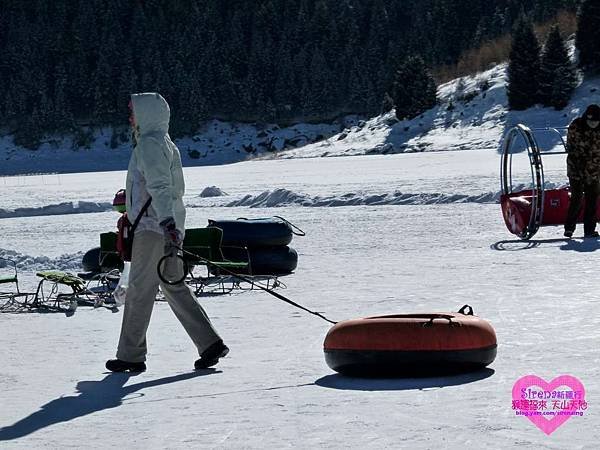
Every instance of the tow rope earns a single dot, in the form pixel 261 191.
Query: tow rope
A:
pixel 228 272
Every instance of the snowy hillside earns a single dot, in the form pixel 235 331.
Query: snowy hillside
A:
pixel 216 143
pixel 472 114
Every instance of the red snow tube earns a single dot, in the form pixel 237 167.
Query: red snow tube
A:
pixel 411 344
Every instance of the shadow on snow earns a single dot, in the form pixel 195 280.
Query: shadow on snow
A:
pixel 577 245
pixel 93 396
pixel 400 384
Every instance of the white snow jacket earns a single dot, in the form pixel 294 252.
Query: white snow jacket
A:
pixel 155 166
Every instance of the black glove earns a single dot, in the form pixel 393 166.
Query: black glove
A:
pixel 172 234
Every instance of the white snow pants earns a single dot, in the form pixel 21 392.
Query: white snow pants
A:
pixel 148 248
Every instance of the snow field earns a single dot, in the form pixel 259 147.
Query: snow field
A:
pixel 274 390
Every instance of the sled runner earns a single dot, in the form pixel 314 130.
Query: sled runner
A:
pixel 526 210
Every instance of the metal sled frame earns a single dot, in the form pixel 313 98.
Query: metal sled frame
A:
pixel 203 247
pixel 56 299
pixel 225 284
pixel 13 300
pixel 102 286
pixel 49 297
pixel 537 170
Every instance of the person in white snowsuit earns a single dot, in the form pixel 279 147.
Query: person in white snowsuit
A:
pixel 155 172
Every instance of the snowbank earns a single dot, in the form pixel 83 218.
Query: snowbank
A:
pixel 78 207
pixel 284 197
pixel 67 262
pixel 212 191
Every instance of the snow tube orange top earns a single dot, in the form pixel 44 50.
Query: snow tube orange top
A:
pixel 411 344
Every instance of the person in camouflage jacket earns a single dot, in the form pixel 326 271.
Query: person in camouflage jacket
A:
pixel 583 170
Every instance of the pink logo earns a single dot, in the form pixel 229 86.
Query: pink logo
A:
pixel 548 405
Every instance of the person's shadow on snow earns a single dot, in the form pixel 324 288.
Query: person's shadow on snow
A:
pixel 584 246
pixel 93 396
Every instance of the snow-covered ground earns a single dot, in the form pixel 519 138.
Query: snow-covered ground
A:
pixel 274 390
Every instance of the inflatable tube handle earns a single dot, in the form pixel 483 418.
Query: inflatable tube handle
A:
pixel 463 310
pixel 294 227
pixel 448 318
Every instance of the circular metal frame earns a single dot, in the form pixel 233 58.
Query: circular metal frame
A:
pixel 537 171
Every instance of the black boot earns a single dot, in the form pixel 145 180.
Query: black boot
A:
pixel 116 365
pixel 211 355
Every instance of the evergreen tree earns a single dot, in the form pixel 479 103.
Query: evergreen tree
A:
pixel 138 35
pixel 29 133
pixel 557 72
pixel 63 118
pixel 236 53
pixel 376 53
pixel 588 35
pixel 318 30
pixel 75 61
pixel 498 22
pixel 448 36
pixel 523 66
pixel 126 84
pixel 284 92
pixel 387 104
pixel 106 73
pixel 414 89
pixel 321 85
pixel 103 88
pixel 81 60
pixel 359 87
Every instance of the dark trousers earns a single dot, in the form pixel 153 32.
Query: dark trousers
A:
pixel 579 191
